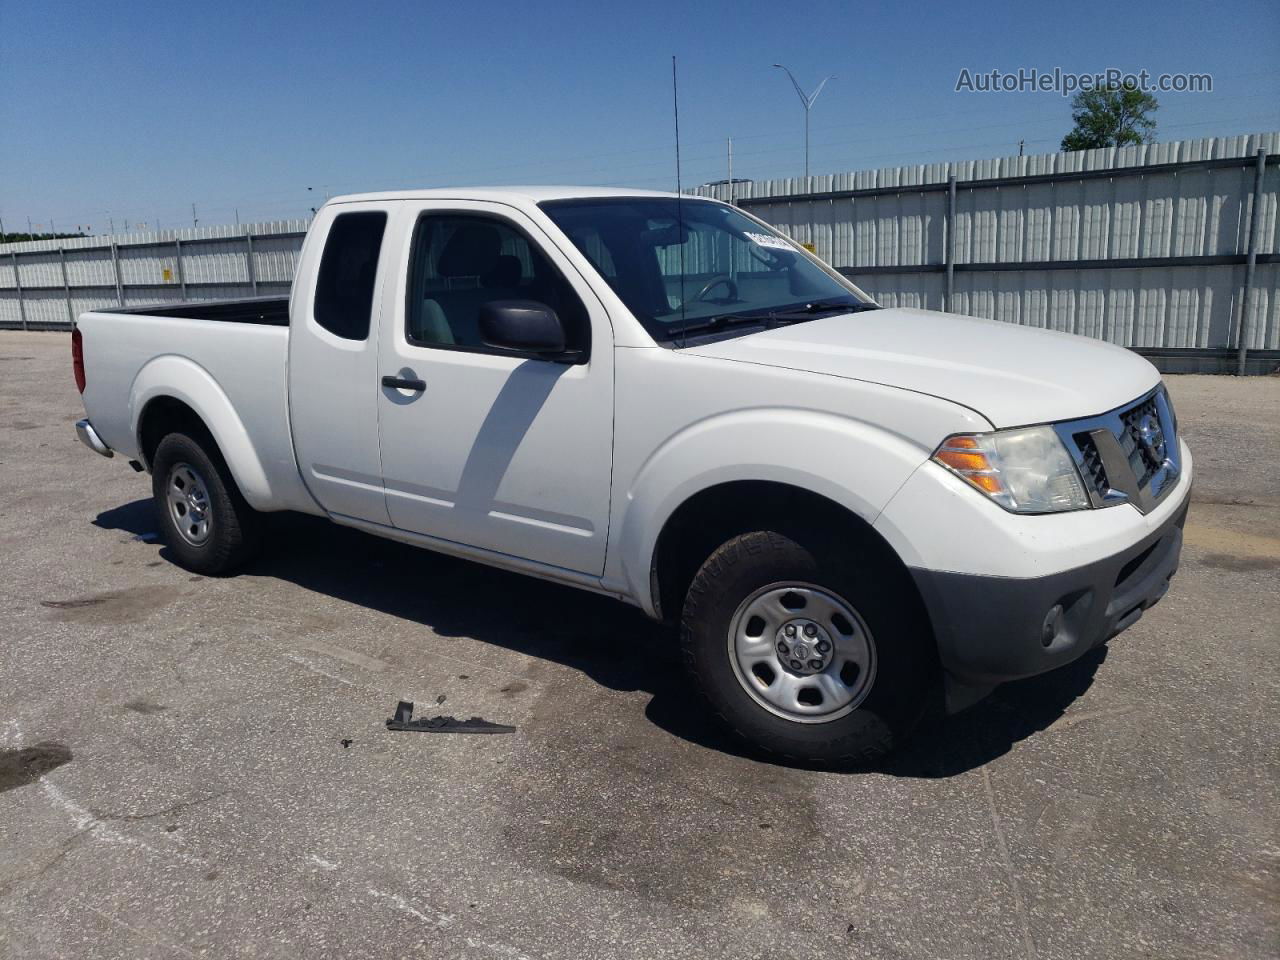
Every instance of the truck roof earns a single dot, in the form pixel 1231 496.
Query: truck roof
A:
pixel 529 194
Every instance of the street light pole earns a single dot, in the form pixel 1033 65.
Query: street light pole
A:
pixel 808 100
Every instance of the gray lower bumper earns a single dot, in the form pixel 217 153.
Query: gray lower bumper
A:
pixel 89 437
pixel 994 629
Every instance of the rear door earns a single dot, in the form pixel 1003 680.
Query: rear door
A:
pixel 333 360
pixel 508 453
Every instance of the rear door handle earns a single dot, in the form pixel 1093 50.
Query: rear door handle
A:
pixel 399 383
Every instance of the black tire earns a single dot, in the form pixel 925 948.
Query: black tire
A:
pixel 234 528
pixel 905 679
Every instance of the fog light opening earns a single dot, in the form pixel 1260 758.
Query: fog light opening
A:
pixel 1052 627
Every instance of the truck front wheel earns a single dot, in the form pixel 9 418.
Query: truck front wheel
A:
pixel 813 653
pixel 203 517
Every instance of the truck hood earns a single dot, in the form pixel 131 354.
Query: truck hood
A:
pixel 1010 374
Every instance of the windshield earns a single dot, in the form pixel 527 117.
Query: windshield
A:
pixel 699 269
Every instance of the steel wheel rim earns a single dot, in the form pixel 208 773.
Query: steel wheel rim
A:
pixel 828 684
pixel 187 497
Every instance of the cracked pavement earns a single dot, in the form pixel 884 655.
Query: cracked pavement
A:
pixel 190 794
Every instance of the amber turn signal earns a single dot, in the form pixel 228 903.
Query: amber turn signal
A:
pixel 965 457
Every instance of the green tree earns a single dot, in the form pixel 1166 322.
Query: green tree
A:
pixel 1111 116
pixel 21 237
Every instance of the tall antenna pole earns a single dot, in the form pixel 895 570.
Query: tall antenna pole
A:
pixel 730 169
pixel 675 105
pixel 808 100
pixel 675 108
pixel 195 222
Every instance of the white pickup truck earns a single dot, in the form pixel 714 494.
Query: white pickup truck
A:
pixel 850 511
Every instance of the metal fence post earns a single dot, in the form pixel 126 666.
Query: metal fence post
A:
pixel 182 277
pixel 948 300
pixel 1246 302
pixel 115 263
pixel 66 285
pixel 17 283
pixel 248 262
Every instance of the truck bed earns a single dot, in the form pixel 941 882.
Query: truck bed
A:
pixel 231 370
pixel 270 311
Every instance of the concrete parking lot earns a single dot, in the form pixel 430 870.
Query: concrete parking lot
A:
pixel 206 771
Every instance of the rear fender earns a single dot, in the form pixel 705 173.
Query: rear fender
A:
pixel 184 380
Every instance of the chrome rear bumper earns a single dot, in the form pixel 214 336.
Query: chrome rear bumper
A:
pixel 89 437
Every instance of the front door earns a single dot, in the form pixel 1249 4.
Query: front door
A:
pixel 480 447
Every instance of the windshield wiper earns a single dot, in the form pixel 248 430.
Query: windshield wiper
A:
pixel 719 322
pixel 769 318
pixel 822 306
pixel 809 311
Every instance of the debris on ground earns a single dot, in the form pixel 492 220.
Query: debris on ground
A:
pixel 403 720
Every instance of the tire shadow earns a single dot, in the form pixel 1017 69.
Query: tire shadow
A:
pixel 945 746
pixel 137 517
pixel 612 643
pixel 942 746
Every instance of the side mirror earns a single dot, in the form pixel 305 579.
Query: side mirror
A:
pixel 523 325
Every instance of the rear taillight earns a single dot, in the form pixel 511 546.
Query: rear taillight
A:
pixel 77 358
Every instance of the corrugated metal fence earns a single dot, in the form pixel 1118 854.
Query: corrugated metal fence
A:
pixel 47 283
pixel 1145 246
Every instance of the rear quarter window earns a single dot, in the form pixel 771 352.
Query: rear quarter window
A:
pixel 344 287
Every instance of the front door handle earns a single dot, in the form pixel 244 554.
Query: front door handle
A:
pixel 400 383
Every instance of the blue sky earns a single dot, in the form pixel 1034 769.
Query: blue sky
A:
pixel 135 110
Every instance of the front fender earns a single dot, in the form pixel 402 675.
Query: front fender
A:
pixel 187 381
pixel 853 463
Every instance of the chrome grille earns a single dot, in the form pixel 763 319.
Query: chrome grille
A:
pixel 1092 471
pixel 1129 455
pixel 1143 463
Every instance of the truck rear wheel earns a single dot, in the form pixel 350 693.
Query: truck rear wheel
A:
pixel 812 653
pixel 203 517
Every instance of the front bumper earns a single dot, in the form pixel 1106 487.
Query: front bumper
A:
pixel 89 437
pixel 993 629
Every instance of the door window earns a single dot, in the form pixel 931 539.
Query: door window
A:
pixel 460 262
pixel 344 288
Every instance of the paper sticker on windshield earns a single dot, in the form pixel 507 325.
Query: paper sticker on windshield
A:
pixel 768 240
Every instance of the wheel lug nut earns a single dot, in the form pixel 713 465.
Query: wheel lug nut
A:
pixel 783 648
pixel 791 630
pixel 796 665
pixel 823 646
pixel 816 664
pixel 810 630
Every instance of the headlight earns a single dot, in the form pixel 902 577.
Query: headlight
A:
pixel 1026 470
